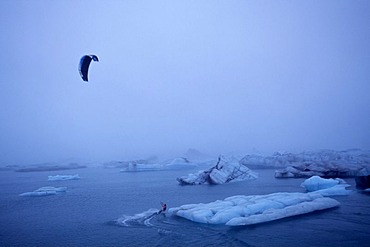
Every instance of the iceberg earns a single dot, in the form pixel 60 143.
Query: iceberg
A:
pixel 326 187
pixel 49 167
pixel 323 163
pixel 45 191
pixel 174 164
pixel 63 177
pixel 132 167
pixel 125 164
pixel 224 171
pixel 315 183
pixel 317 169
pixel 249 210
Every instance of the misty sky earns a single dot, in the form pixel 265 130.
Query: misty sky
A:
pixel 218 76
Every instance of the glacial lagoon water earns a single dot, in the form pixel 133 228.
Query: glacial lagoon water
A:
pixel 85 214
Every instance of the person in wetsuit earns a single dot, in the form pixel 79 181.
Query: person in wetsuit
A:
pixel 163 209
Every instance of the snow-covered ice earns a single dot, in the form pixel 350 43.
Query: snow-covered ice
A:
pixel 254 209
pixel 248 210
pixel 226 170
pixel 63 177
pixel 45 191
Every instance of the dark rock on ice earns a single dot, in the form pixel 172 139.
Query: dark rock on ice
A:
pixel 363 179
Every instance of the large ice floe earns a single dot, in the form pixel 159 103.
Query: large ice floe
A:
pixel 45 191
pixel 226 170
pixel 63 177
pixel 254 209
pixel 247 210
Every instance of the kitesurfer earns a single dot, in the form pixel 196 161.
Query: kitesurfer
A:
pixel 163 209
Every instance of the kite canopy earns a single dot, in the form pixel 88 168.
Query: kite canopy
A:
pixel 85 64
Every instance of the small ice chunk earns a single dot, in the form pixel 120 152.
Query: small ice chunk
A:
pixel 317 183
pixel 326 187
pixel 63 177
pixel 45 191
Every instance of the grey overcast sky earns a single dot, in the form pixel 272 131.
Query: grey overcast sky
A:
pixel 218 76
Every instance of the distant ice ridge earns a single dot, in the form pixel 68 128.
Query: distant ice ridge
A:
pixel 144 165
pixel 48 167
pixel 63 177
pixel 142 168
pixel 175 164
pixel 45 191
pixel 324 163
pixel 226 170
pixel 248 210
